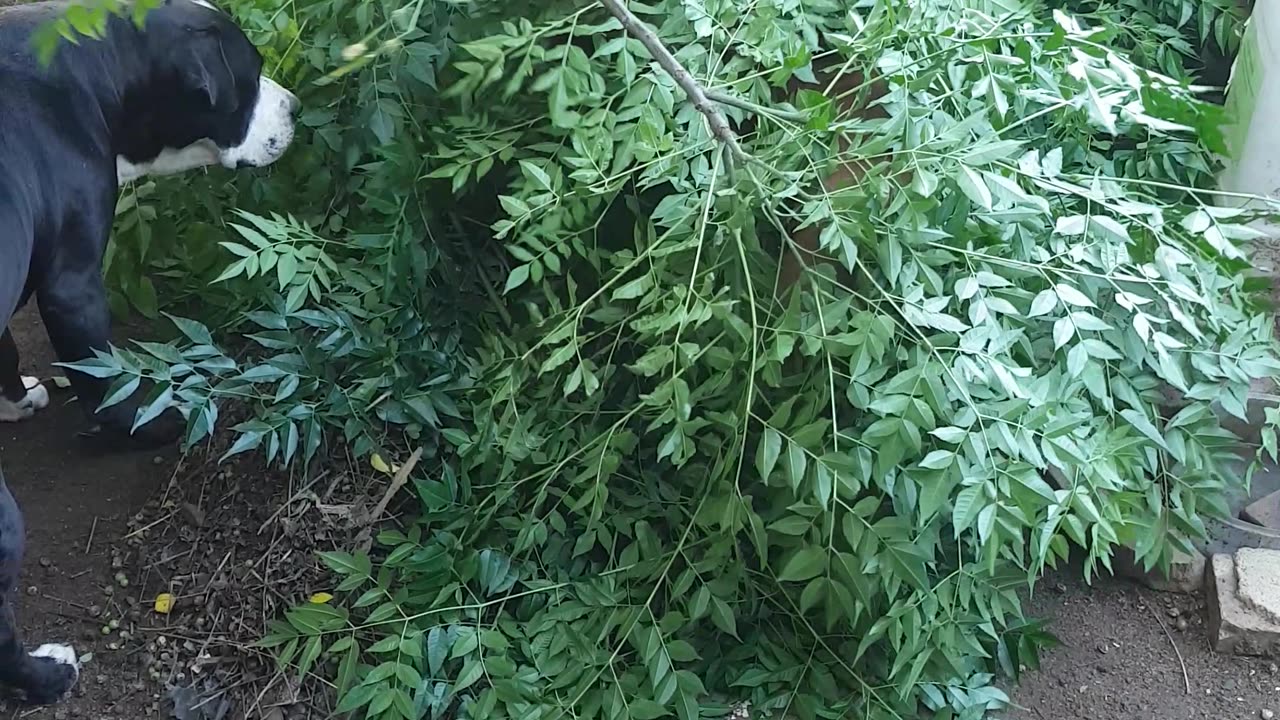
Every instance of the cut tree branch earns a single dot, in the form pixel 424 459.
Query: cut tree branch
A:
pixel 743 104
pixel 668 62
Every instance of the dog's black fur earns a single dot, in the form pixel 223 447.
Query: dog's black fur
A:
pixel 189 75
pixel 12 388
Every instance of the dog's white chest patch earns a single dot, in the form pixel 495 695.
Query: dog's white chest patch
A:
pixel 200 153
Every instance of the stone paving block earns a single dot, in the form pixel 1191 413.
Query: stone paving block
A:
pixel 1235 627
pixel 1258 582
pixel 1186 573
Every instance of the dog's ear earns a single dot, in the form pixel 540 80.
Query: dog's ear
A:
pixel 210 73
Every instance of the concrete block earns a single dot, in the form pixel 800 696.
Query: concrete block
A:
pixel 1186 573
pixel 1258 581
pixel 1235 627
pixel 1264 511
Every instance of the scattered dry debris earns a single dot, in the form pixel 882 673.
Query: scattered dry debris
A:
pixel 204 567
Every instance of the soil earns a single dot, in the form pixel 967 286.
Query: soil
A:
pixel 75 505
pixel 106 533
pixel 1118 659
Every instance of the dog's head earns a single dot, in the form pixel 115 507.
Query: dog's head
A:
pixel 206 100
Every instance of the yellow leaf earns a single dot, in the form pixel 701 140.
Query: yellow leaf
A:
pixel 164 603
pixel 321 598
pixel 378 463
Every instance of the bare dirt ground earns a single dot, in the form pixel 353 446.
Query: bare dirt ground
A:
pixel 107 532
pixel 1118 660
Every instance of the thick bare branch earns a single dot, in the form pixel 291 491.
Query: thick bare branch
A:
pixel 668 62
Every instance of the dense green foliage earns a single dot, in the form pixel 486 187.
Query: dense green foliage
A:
pixel 651 487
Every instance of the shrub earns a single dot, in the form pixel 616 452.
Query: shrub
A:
pixel 656 482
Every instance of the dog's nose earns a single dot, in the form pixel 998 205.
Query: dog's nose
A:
pixel 294 103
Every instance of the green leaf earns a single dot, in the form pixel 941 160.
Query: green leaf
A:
pixel 1072 296
pixel 1063 331
pixel 938 460
pixel 158 404
pixel 194 331
pixel 517 278
pixel 120 391
pixel 438 646
pixel 347 564
pixel 645 709
pixel 805 563
pixel 796 464
pixel 949 434
pixel 767 452
pixel 634 289
pixel 965 510
pixel 722 616
pixel 987 153
pixel 1144 426
pixel 972 185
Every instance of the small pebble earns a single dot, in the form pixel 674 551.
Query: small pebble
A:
pixel 45 562
pixel 1266 714
pixel 33 590
pixel 94 611
pixel 1173 612
pixel 1181 624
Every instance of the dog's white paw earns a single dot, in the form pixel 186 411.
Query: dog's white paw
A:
pixel 61 654
pixel 37 398
pixel 37 395
pixel 53 688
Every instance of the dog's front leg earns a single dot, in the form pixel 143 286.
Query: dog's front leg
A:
pixel 47 674
pixel 20 396
pixel 73 305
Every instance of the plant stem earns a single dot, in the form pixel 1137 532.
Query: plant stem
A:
pixel 668 62
pixel 741 104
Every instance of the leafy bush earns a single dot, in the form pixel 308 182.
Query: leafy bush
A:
pixel 657 481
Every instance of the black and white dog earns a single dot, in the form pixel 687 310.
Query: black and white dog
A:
pixel 184 91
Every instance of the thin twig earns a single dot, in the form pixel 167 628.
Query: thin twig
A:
pixel 397 482
pixel 148 526
pixel 401 477
pixel 742 104
pixel 668 62
pixel 288 503
pixel 92 531
pixel 1186 680
pixel 56 599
